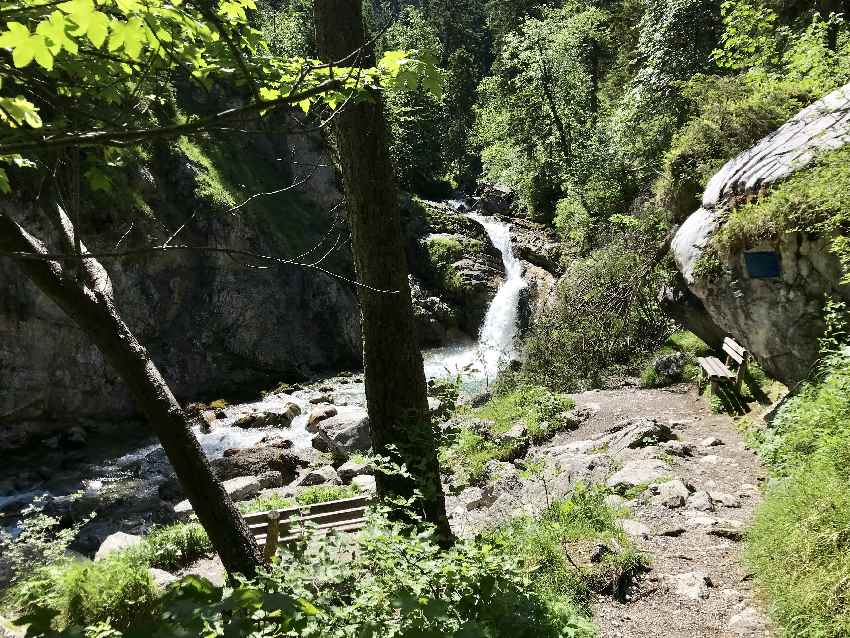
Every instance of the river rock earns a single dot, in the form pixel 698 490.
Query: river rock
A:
pixel 351 469
pixel 119 541
pixel 318 415
pixel 726 500
pixel 325 475
pixel 282 419
pixel 345 433
pixel 637 473
pixel 255 461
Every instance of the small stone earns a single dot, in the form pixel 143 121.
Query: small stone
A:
pixel 673 494
pixel 116 542
pixel 637 473
pixel 711 441
pixel 701 502
pixel 677 448
pixel 365 483
pixel 599 552
pixel 434 406
pixel 726 500
pixel 691 585
pixel 634 528
pixel 322 398
pixel 747 622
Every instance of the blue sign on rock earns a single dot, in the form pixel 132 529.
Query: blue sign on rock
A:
pixel 763 264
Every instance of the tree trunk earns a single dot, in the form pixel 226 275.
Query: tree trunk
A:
pixel 396 391
pixel 87 299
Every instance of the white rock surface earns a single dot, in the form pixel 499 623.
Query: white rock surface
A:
pixel 116 542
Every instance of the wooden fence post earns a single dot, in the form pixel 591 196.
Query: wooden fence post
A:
pixel 272 535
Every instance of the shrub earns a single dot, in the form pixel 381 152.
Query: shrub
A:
pixel 266 503
pixel 117 589
pixel 175 546
pixel 605 317
pixel 684 342
pixel 468 451
pixel 574 525
pixel 393 580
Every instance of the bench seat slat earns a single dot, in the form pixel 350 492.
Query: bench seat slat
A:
pixel 292 535
pixel 306 510
pixel 715 368
pixel 325 517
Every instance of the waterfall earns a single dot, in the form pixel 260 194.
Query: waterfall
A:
pixel 498 332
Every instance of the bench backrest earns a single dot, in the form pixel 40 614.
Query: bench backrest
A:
pixel 735 351
pixel 287 525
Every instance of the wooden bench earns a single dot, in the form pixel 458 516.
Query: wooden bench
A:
pixel 716 371
pixel 281 527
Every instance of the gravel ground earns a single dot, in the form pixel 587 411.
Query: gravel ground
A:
pixel 697 585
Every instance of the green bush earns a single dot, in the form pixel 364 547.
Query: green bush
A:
pixel 175 546
pixel 605 317
pixel 799 547
pixel 266 503
pixel 688 344
pixel 467 451
pixel 394 580
pixel 544 546
pixel 117 589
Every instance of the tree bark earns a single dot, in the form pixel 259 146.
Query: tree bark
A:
pixel 86 297
pixel 396 390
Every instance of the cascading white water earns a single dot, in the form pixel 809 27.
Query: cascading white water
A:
pixel 496 338
pixel 479 363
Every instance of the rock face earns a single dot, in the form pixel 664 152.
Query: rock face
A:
pixel 211 324
pixel 119 541
pixel 778 319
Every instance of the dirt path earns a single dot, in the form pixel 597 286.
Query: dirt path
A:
pixel 697 586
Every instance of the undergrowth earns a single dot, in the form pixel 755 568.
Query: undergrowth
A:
pixel 482 438
pixel 690 346
pixel 799 546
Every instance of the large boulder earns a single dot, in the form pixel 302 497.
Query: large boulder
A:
pixel 346 433
pixel 256 461
pixel 638 433
pixel 778 319
pixel 278 419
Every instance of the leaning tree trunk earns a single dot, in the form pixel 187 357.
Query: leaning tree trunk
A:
pixel 396 391
pixel 86 297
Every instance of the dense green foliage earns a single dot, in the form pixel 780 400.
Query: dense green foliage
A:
pixel 394 581
pixel 799 548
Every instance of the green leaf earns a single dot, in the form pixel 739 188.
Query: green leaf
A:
pixel 54 28
pixel 98 29
pixel 98 180
pixel 19 110
pixel 5 187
